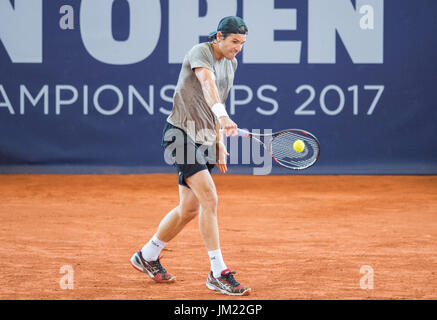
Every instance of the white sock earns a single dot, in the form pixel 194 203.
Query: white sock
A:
pixel 217 263
pixel 152 249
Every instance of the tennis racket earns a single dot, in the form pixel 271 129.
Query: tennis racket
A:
pixel 281 147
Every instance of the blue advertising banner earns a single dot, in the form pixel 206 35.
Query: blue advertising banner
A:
pixel 86 86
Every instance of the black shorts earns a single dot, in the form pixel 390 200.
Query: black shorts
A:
pixel 187 156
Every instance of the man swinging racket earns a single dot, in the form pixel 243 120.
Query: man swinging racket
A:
pixel 197 117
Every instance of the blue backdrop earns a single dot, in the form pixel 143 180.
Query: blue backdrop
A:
pixel 86 86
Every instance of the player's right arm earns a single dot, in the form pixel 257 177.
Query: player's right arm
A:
pixel 207 81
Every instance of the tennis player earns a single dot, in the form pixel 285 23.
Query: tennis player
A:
pixel 196 125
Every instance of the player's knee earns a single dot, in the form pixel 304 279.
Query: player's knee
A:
pixel 188 213
pixel 210 202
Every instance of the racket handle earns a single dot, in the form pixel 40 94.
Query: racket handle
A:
pixel 243 133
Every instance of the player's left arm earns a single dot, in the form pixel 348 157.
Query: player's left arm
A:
pixel 212 98
pixel 210 92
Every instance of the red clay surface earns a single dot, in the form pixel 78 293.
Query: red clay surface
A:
pixel 287 237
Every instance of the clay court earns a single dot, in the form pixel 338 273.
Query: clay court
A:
pixel 287 237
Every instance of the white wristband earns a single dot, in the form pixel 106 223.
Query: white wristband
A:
pixel 219 110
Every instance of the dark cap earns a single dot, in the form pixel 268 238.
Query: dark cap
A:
pixel 231 24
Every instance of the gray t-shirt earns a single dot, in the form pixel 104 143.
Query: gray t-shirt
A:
pixel 190 111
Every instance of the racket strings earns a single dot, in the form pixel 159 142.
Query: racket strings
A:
pixel 283 150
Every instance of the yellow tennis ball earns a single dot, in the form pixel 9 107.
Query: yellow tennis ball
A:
pixel 299 146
